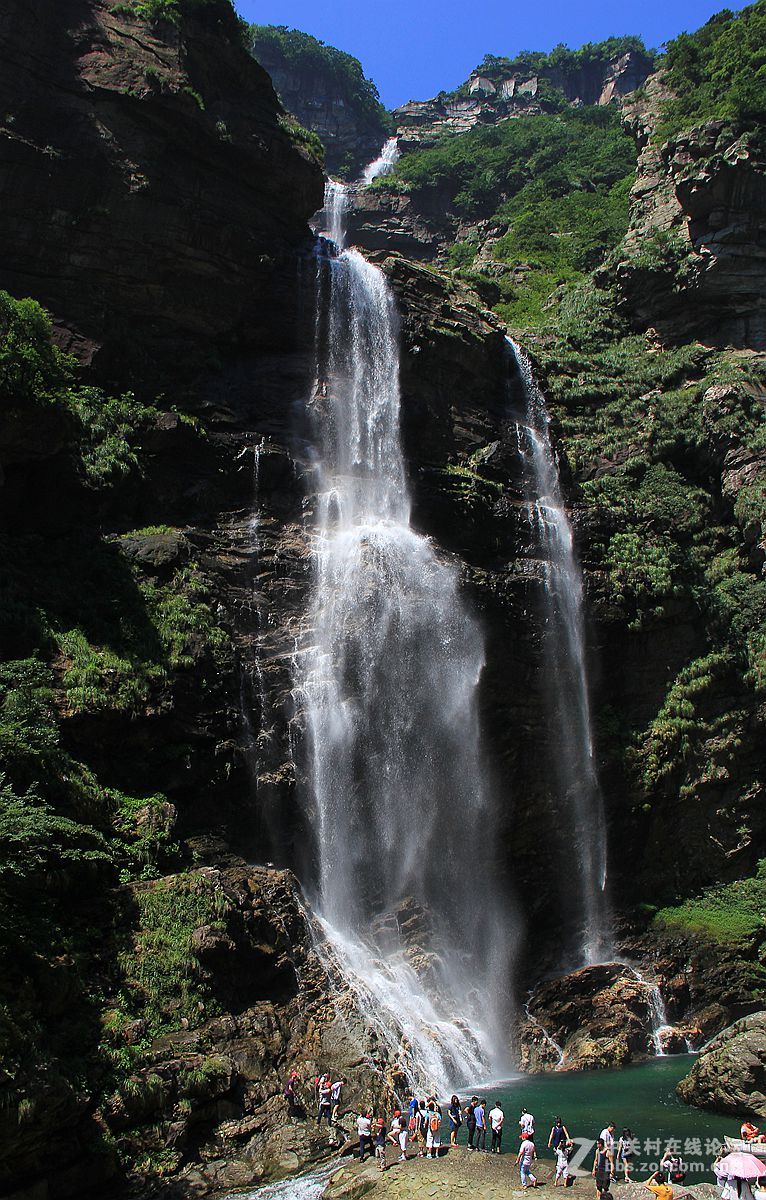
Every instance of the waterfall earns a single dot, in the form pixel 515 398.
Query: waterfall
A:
pixel 658 1017
pixel 384 163
pixel 575 768
pixel 407 882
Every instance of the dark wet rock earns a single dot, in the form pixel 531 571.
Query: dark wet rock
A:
pixel 592 1018
pixel 155 552
pixel 730 1074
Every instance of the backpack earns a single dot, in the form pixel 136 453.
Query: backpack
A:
pixel 434 1122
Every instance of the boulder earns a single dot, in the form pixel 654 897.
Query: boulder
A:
pixel 730 1074
pixel 592 1018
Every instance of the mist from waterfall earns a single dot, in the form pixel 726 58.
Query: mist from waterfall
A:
pixel 568 704
pixel 408 884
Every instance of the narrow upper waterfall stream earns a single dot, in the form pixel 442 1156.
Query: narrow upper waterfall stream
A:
pixel 566 680
pixel 384 163
pixel 407 884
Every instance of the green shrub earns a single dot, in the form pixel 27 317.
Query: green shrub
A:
pixel 32 369
pixel 718 71
pixel 729 912
pixel 163 978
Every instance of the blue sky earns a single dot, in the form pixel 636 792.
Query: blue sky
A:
pixel 414 48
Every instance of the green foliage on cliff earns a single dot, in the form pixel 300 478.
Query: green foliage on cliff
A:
pixel 561 59
pixel 672 555
pixel 163 979
pixel 730 912
pixel 718 71
pixel 554 187
pixel 301 53
pixel 172 11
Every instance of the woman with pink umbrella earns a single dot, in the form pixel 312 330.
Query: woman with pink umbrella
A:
pixel 739 1170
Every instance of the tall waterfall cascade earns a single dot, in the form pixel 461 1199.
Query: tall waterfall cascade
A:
pixel 568 704
pixel 407 886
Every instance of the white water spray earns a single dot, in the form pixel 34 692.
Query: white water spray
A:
pixel 564 644
pixel 658 1017
pixel 408 888
pixel 384 163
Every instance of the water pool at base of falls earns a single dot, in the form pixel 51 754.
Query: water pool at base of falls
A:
pixel 640 1096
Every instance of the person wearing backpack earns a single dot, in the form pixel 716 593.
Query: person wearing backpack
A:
pixel 433 1137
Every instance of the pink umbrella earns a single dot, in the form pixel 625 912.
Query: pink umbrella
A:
pixel 742 1166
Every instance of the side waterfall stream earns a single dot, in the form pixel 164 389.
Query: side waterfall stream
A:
pixel 566 679
pixel 407 888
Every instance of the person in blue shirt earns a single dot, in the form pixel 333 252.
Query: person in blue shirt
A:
pixel 481 1125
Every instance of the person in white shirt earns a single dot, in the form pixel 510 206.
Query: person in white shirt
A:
pixel 364 1129
pixel 524 1160
pixel 496 1118
pixel 562 1164
pixel 607 1136
pixel 527 1123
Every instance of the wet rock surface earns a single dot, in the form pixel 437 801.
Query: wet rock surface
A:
pixel 730 1074
pixel 595 1017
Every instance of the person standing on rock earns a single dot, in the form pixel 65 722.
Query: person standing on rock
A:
pixel 433 1136
pixel 558 1136
pixel 398 1134
pixel 289 1094
pixel 602 1168
pixel 524 1160
pixel 481 1125
pixel 470 1119
pixel 562 1164
pixel 364 1129
pixel 455 1120
pixel 527 1123
pixel 379 1138
pixel 325 1104
pixel 496 1120
pixel 607 1137
pixel 336 1093
pixel 626 1149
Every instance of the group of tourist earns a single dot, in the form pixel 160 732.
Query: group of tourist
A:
pixel 420 1126
pixel 328 1093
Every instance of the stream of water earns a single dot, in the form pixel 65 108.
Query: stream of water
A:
pixel 389 688
pixel 566 681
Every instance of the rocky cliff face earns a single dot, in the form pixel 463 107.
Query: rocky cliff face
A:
pixel 352 127
pixel 159 566
pixel 511 93
pixel 693 261
pixel 147 153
